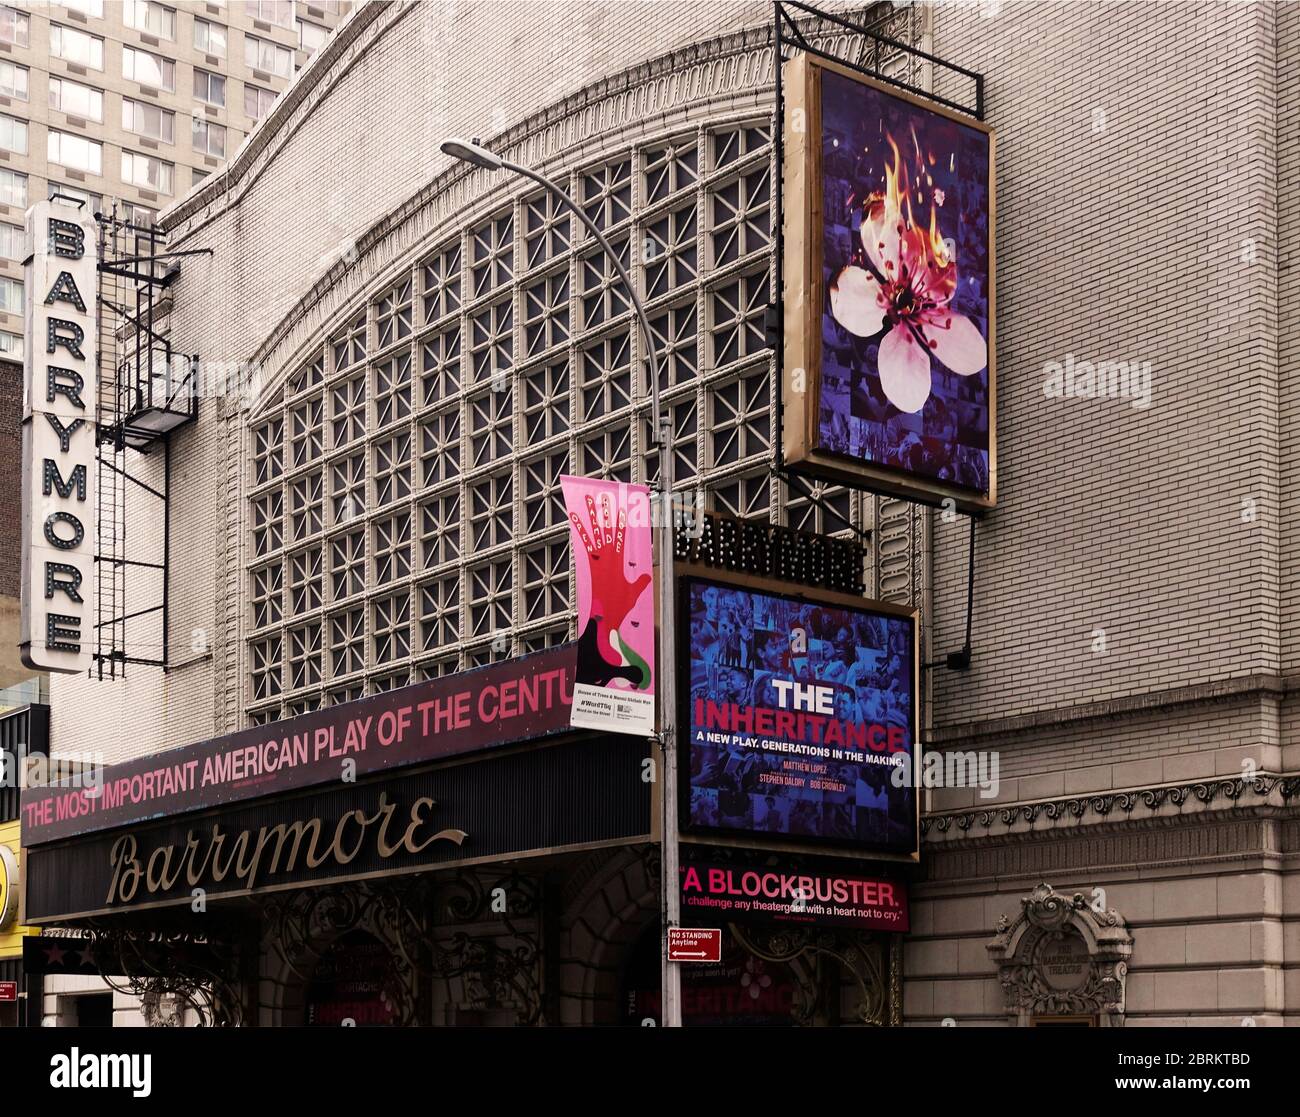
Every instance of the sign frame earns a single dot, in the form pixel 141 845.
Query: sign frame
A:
pixel 750 840
pixel 60 439
pixel 804 295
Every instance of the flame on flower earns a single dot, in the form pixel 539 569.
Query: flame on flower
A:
pixel 905 289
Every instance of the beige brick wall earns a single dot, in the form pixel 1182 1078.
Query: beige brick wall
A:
pixel 1136 160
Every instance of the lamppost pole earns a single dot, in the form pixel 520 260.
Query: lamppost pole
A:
pixel 666 683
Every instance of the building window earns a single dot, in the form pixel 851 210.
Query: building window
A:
pixel 546 580
pixel 491 589
pixel 492 247
pixel 606 194
pixel 76 46
pixel 268 455
pixel 11 295
pixel 545 402
pixel 92 8
pixel 310 375
pixel 148 120
pixel 75 152
pixel 441 283
pixel 392 627
pixel 92 203
pixel 261 54
pixel 149 69
pixel 311 36
pixel 392 548
pixel 267 595
pixel 440 447
pixel 491 426
pixel 546 313
pixel 210 38
pixel 11 345
pixel 135 214
pixel 279 12
pixel 209 138
pixel 305 583
pixel 15 27
pixel 439 614
pixel 266 668
pixel 492 334
pixel 13 241
pixel 13 134
pixel 491 511
pixel 147 172
pixel 392 469
pixel 440 371
pixel 542 498
pixel 348 410
pixel 440 530
pixel 393 390
pixel 268 523
pixel 154 19
pixel 350 345
pixel 306 505
pixel 210 88
pixel 304 656
pixel 547 229
pixel 348 488
pixel 394 314
pixel 347 642
pixel 75 99
pixel 347 565
pixel 257 102
pixel 305 433
pixel 13 80
pixel 13 187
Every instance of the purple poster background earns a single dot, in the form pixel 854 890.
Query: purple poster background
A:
pixel 906 255
pixel 799 715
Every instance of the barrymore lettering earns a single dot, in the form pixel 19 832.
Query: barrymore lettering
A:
pixel 243 858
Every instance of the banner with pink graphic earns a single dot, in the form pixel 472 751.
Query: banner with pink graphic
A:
pixel 609 527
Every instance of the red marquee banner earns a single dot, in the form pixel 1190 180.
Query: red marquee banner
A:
pixel 500 704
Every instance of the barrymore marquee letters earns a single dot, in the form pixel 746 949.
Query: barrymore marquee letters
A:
pixel 245 858
pixel 59 437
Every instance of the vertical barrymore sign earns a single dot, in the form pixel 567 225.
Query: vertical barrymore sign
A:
pixel 59 440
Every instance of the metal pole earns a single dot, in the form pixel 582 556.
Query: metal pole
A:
pixel 670 1014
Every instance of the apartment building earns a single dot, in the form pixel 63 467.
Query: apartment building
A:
pixel 126 103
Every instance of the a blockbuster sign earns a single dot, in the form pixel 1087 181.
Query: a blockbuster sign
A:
pixel 799 716
pixel 59 478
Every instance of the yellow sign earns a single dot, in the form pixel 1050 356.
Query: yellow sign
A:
pixel 11 933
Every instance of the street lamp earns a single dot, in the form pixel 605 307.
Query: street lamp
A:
pixel 470 151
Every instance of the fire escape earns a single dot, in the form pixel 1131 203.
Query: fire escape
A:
pixel 146 391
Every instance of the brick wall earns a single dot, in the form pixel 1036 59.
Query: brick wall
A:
pixel 1136 184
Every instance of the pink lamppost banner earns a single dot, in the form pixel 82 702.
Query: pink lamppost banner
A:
pixel 609 527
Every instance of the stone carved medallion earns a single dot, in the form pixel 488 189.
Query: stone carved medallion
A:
pixel 1062 957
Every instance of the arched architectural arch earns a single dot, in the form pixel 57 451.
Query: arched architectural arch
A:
pixel 413 412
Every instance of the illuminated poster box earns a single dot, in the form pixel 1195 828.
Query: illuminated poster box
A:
pixel 798 717
pixel 888 379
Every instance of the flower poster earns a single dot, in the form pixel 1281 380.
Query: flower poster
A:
pixel 609 534
pixel 889 302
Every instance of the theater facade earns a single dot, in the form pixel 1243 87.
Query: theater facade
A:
pixel 337 781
